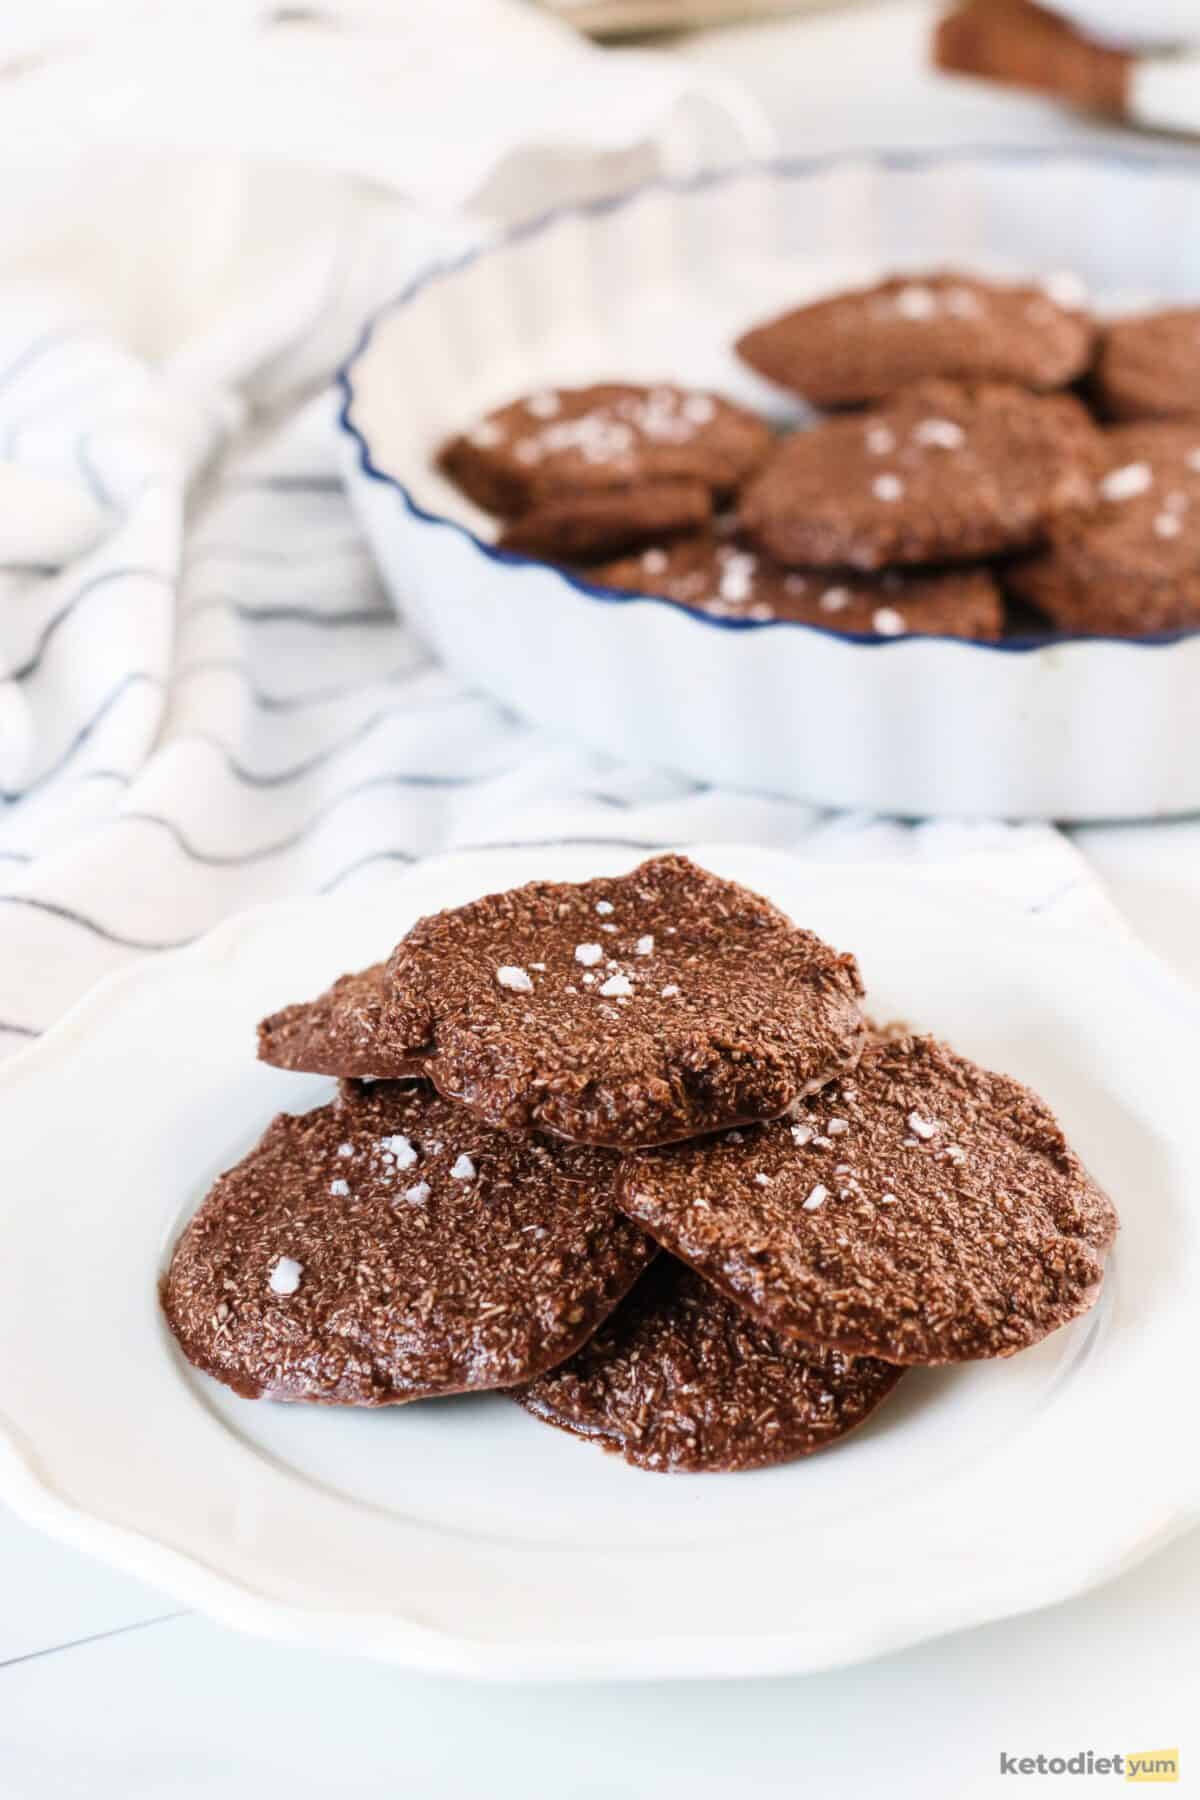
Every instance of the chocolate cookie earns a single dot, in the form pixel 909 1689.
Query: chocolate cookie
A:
pixel 626 1011
pixel 335 1034
pixel 921 1210
pixel 943 473
pixel 1028 46
pixel 389 1247
pixel 1133 565
pixel 580 527
pixel 719 576
pixel 574 441
pixel 863 346
pixel 681 1379
pixel 1149 366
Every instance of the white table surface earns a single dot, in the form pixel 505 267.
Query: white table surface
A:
pixel 108 1691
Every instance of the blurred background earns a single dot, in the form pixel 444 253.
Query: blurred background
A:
pixel 171 158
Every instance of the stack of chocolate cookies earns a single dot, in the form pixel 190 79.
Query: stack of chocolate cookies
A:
pixel 964 479
pixel 629 1151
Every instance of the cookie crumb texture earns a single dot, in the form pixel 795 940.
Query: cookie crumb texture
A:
pixel 580 527
pixel 348 1260
pixel 861 346
pixel 946 472
pixel 706 1007
pixel 681 1379
pixel 335 1034
pixel 1149 366
pixel 955 1221
pixel 1132 566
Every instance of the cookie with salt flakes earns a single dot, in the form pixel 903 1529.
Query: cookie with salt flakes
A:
pixel 629 1010
pixel 568 442
pixel 717 575
pixel 922 1210
pixel 945 472
pixel 390 1247
pixel 679 1378
pixel 858 347
pixel 1132 566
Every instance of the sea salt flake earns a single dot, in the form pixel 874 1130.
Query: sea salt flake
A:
pixel 670 991
pixel 887 622
pixel 645 945
pixel 418 1194
pixel 464 1169
pixel 921 1127
pixel 817 1197
pixel 339 1188
pixel 1127 482
pixel 285 1275
pixel 887 1200
pixel 837 1127
pixel 916 302
pixel 615 986
pixel 881 440
pixel 1167 525
pixel 588 954
pixel 737 576
pixel 1066 289
pixel 940 434
pixel 401 1148
pixel 763 1180
pixel 834 599
pixel 654 562
pixel 888 487
pixel 801 1135
pixel 604 906
pixel 510 976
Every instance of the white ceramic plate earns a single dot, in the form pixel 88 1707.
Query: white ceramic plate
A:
pixel 657 284
pixel 463 1535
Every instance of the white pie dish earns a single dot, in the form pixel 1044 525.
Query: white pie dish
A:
pixel 1069 727
pixel 465 1536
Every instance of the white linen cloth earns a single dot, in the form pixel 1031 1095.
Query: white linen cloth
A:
pixel 207 701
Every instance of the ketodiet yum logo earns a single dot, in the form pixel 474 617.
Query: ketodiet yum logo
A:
pixel 1127 1765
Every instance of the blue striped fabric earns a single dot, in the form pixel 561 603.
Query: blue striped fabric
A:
pixel 215 705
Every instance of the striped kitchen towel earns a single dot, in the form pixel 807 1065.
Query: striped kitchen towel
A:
pixel 206 700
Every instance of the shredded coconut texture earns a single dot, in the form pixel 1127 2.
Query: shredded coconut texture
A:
pixel 681 1379
pixel 282 1285
pixel 911 1256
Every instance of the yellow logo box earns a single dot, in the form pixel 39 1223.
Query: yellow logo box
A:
pixel 1152 1765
